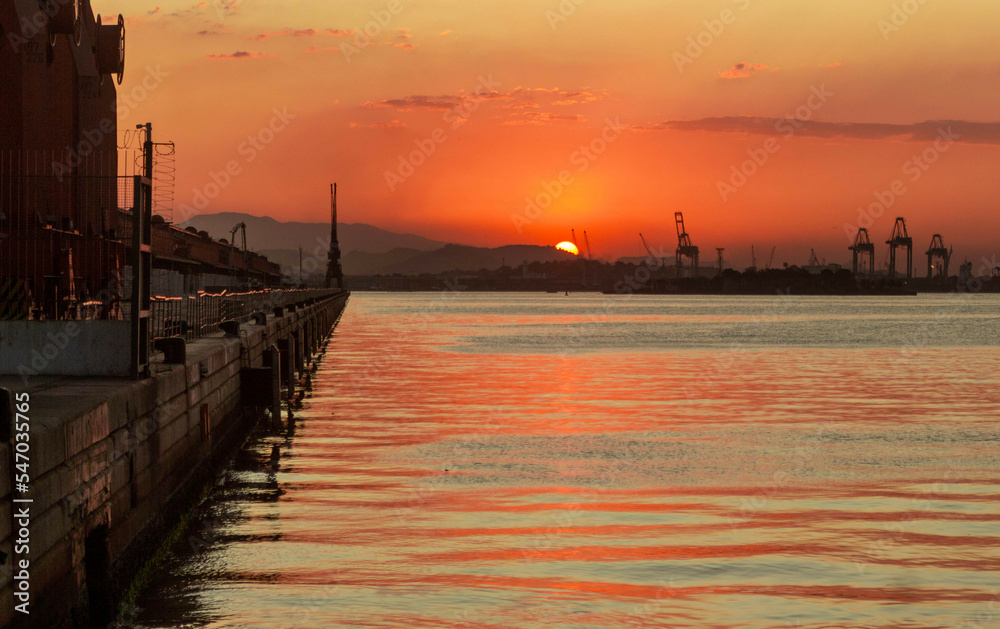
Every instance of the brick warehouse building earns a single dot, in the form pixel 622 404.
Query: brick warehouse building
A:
pixel 65 222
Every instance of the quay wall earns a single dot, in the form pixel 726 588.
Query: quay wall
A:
pixel 113 464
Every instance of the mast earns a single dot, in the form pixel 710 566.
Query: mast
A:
pixel 333 269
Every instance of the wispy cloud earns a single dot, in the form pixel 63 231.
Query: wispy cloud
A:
pixel 928 131
pixel 541 118
pixel 240 54
pixel 215 30
pixel 411 103
pixel 517 98
pixel 392 124
pixel 304 32
pixel 745 70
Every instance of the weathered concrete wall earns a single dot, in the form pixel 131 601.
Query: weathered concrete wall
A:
pixel 111 461
pixel 72 348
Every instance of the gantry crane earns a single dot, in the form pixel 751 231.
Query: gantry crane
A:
pixel 649 250
pixel 232 242
pixel 720 250
pixel 939 251
pixel 582 259
pixel 232 235
pixel 900 238
pixel 586 241
pixel 863 246
pixel 684 247
pixel 814 259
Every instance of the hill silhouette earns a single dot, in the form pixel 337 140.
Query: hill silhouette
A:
pixel 267 234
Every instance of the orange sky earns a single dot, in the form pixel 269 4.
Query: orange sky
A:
pixel 692 89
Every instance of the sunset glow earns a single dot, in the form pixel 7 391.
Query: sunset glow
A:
pixel 492 126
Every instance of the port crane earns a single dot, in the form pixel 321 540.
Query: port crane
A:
pixel 586 241
pixel 232 235
pixel 582 259
pixel 771 259
pixel 652 256
pixel 900 239
pixel 684 247
pixel 937 250
pixel 862 247
pixel 232 242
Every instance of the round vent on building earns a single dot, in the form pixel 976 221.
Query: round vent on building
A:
pixel 65 18
pixel 111 48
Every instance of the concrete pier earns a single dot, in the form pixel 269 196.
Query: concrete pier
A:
pixel 114 463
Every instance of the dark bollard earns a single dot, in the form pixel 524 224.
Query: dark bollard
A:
pixel 174 350
pixel 273 360
pixel 298 341
pixel 231 327
pixel 279 311
pixel 259 318
pixel 287 348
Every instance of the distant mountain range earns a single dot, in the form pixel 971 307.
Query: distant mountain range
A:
pixel 266 234
pixel 365 249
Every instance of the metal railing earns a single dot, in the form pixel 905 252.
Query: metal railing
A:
pixel 195 316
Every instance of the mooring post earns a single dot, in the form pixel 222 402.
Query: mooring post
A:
pixel 290 368
pixel 275 363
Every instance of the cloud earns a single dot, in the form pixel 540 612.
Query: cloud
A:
pixel 220 8
pixel 392 124
pixel 303 32
pixel 403 33
pixel 443 33
pixel 411 103
pixel 540 118
pixel 216 30
pixel 406 46
pixel 745 70
pixel 575 98
pixel 928 131
pixel 154 11
pixel 239 54
pixel 517 98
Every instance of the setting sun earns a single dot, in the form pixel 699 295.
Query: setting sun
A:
pixel 568 247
